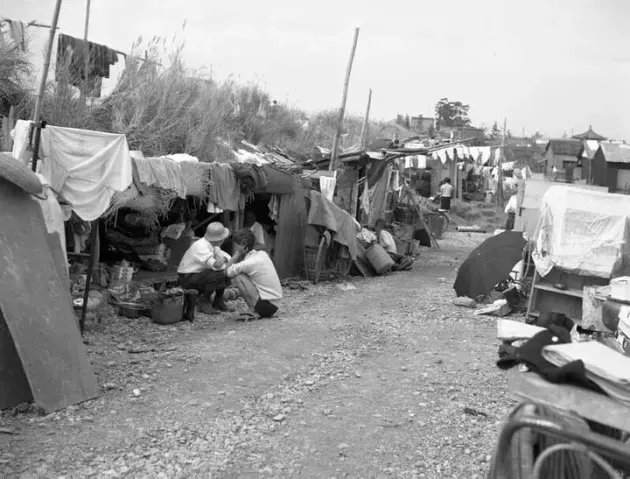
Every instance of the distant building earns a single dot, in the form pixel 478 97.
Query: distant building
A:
pixel 562 155
pixel 422 124
pixel 610 167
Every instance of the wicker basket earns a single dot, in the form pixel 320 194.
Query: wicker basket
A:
pixel 314 259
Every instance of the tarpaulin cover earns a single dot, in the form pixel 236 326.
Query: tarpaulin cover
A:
pixel 327 214
pixel 581 231
pixel 278 182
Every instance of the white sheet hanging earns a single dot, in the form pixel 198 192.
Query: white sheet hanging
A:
pixel 327 186
pixel 86 167
pixel 486 154
pixel 53 214
pixel 422 161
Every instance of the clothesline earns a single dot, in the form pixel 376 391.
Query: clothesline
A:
pixel 34 23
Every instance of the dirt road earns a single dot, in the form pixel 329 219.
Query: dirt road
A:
pixel 386 379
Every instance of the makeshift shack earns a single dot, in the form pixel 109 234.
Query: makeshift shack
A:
pixel 610 167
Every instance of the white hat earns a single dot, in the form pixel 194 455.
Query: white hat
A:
pixel 216 232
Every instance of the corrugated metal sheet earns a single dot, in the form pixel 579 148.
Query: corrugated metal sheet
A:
pixel 615 153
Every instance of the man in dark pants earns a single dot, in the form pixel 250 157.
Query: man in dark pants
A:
pixel 203 268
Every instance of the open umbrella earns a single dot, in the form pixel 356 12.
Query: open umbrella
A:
pixel 489 263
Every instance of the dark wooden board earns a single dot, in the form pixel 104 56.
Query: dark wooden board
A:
pixel 585 403
pixel 14 388
pixel 37 308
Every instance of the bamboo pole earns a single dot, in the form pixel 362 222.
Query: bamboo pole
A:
pixel 342 109
pixel 85 37
pixel 37 114
pixel 366 123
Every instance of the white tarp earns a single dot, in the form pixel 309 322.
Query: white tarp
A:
pixel 581 230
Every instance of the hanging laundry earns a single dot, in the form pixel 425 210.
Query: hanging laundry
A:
pixel 422 161
pixel 497 156
pixel 450 152
pixel 365 198
pixel 224 192
pixel 486 154
pixel 408 162
pixel 20 135
pixel 274 207
pixel 53 214
pixel 460 152
pixel 162 172
pixel 86 167
pixel 71 58
pixel 327 187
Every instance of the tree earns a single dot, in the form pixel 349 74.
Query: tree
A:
pixel 407 122
pixel 451 113
pixel 495 132
pixel 537 135
pixel 565 136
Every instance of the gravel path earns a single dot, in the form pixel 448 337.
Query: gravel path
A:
pixel 384 379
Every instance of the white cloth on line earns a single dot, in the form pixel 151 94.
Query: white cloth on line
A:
pixel 164 172
pixel 258 231
pixel 408 162
pixel 497 156
pixel 327 187
pixel 86 167
pixel 365 198
pixel 422 161
pixel 20 141
pixel 486 154
pixel 53 214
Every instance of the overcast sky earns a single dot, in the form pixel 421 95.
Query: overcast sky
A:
pixel 547 65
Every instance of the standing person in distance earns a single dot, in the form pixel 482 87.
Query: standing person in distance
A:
pixel 446 193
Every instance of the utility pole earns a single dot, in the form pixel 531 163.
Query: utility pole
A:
pixel 366 123
pixel 342 109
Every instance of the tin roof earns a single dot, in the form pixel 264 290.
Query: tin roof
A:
pixel 615 153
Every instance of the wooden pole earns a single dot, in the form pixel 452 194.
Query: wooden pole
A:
pixel 90 272
pixel 42 84
pixel 366 123
pixel 500 165
pixel 342 109
pixel 85 37
pixel 37 114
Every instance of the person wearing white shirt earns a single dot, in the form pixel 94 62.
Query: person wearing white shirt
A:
pixel 256 228
pixel 203 266
pixel 446 193
pixel 255 276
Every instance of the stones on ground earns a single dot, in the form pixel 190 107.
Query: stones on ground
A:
pixel 327 412
pixel 358 374
pixel 308 382
pixel 136 393
pixel 279 417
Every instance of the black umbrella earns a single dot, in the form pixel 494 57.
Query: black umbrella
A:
pixel 490 263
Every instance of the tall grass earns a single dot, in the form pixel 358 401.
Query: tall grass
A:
pixel 173 109
pixel 15 70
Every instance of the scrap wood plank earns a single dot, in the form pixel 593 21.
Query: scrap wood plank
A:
pixel 37 308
